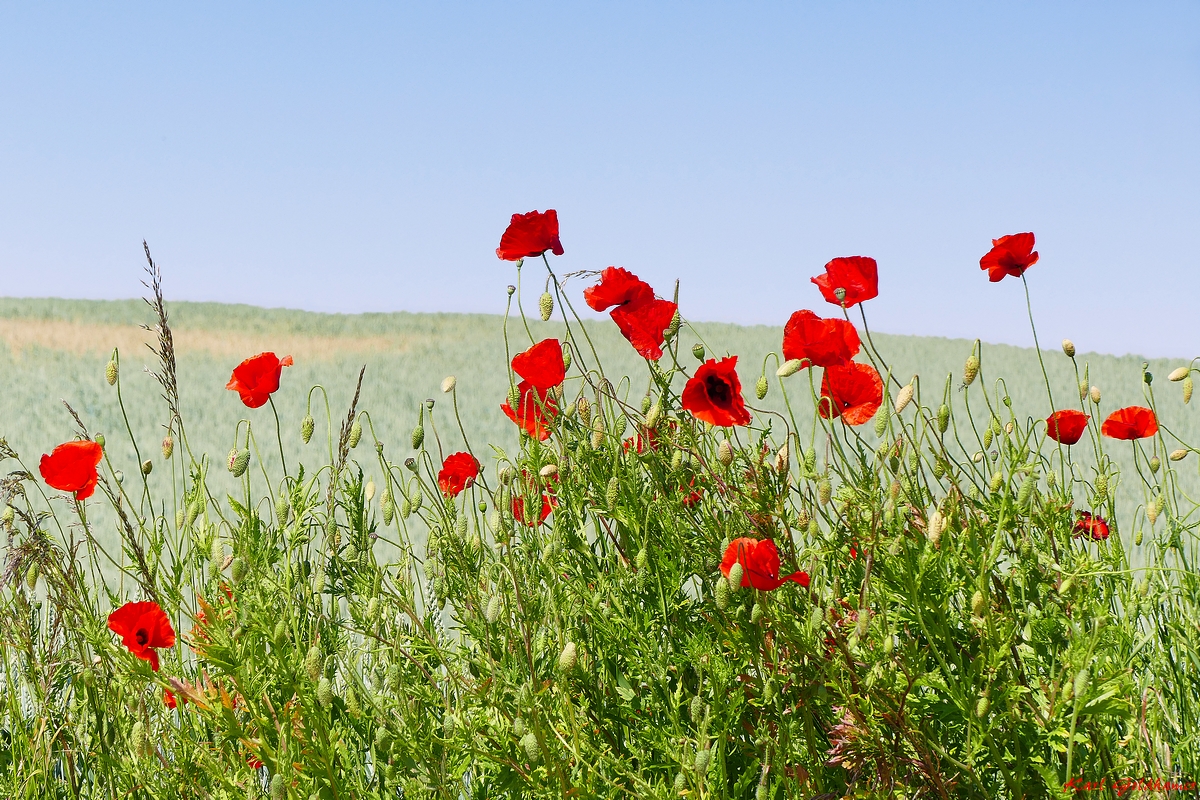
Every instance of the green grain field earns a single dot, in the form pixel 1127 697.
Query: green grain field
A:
pixel 55 350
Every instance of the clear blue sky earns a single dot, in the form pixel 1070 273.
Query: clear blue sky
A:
pixel 354 156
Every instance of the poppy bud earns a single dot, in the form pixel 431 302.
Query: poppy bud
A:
pixel 981 707
pixel 598 432
pixel 1025 493
pixel 239 570
pixel 510 288
pixel 147 467
pixel 781 460
pixel 903 398
pixel 278 787
pixel 1154 465
pixel 584 409
pixel 279 636
pixel 7 515
pixel 673 327
pixel 546 305
pixel 756 613
pixel 325 692
pixel 307 426
pixel 978 604
pixel 1095 393
pixel 653 415
pixel 997 481
pixel 933 532
pixel 529 744
pixel 824 491
pixel 619 426
pixel 388 506
pixel 735 576
pixel 760 387
pixel 216 550
pixel 1083 390
pixel 1187 389
pixel 704 757
pixel 492 612
pixel 355 434
pixel 1051 480
pixel 239 463
pixel 789 368
pixel 1082 683
pixel 723 593
pixel 810 460
pixel 566 358
pixel 416 499
pixel 1101 487
pixel 31 576
pixel 141 742
pixel 312 663
pixel 568 657
pixel 1179 374
pixel 943 418
pixel 168 446
pixel 1178 455
pixel 881 420
pixel 970 369
pixel 725 453
pixel 698 351
pixel 987 437
pixel 418 436
pixel 1160 503
pixel 1068 348
pixel 696 709
pixel 611 493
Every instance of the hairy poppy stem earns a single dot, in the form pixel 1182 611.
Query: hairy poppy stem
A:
pixel 1036 346
pixel 278 435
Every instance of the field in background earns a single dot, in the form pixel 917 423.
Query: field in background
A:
pixel 52 350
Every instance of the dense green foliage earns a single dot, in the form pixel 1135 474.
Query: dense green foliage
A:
pixel 359 635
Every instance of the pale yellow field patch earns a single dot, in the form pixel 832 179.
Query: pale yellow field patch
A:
pixel 79 338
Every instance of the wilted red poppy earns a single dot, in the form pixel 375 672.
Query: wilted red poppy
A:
pixel 534 412
pixel 72 468
pixel 853 392
pixel 641 317
pixel 142 628
pixel 760 564
pixel 1010 255
pixel 693 495
pixel 644 439
pixel 458 472
pixel 1066 426
pixel 529 235
pixel 1132 422
pixel 257 378
pixel 541 365
pixel 1088 525
pixel 518 510
pixel 857 275
pixel 714 394
pixel 819 342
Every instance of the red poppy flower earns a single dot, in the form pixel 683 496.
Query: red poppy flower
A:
pixel 142 628
pixel 1066 426
pixel 1132 422
pixel 1088 525
pixel 760 564
pixel 853 392
pixel 257 378
pixel 641 317
pixel 1010 255
pixel 819 342
pixel 253 763
pixel 857 275
pixel 541 365
pixel 169 699
pixel 458 472
pixel 693 495
pixel 534 412
pixel 518 510
pixel 714 394
pixel 72 468
pixel 645 439
pixel 529 235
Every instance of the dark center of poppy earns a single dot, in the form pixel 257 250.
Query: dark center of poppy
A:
pixel 141 635
pixel 718 391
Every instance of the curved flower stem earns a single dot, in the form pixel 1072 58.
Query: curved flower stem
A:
pixel 1036 346
pixel 278 435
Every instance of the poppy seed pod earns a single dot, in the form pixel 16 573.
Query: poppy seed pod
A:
pixel 307 426
pixel 903 398
pixel 568 657
pixel 1068 348
pixel 840 294
pixel 168 446
pixel 546 305
pixel 355 434
pixel 99 439
pixel 1178 455
pixel 510 289
pixel 760 387
pixel 970 369
pixel 698 351
pixel 736 571
pixel 725 453
pixel 789 368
